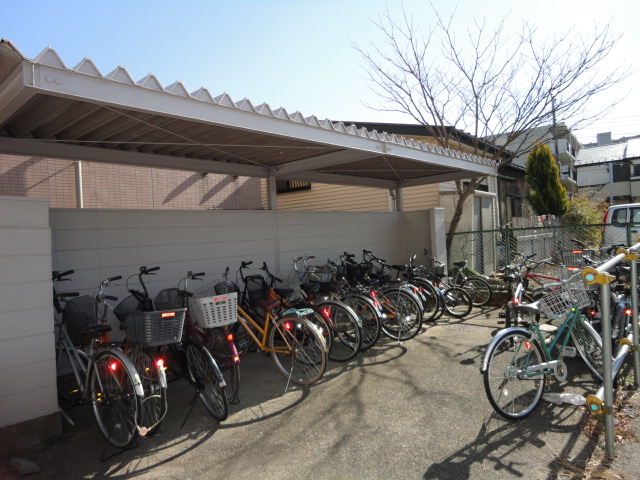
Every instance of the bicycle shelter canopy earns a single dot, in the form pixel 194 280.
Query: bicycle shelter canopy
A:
pixel 50 110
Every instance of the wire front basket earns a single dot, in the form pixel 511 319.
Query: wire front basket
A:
pixel 559 301
pixel 319 274
pixel 155 328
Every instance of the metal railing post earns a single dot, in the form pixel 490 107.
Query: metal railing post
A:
pixel 603 401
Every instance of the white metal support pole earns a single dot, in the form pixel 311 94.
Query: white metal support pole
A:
pixel 79 193
pixel 272 197
pixel 607 374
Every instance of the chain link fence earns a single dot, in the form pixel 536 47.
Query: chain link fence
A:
pixel 487 251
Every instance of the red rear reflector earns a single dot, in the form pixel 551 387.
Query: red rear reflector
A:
pixel 288 325
pixel 168 314
pixel 576 251
pixel 527 345
pixel 628 311
pixel 160 362
pixel 230 337
pixel 516 301
pixel 113 366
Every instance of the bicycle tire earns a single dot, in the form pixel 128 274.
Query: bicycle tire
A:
pixel 154 384
pixel 115 402
pixel 478 289
pixel 203 376
pixel 369 316
pixel 218 346
pixel 457 302
pixel 403 319
pixel 298 350
pixel 511 394
pixel 589 346
pixel 346 331
pixel 431 303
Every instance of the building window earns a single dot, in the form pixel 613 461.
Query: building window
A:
pixel 636 170
pixel 621 173
pixel 286 186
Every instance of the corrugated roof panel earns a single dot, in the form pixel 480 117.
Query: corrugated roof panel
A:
pixel 178 88
pixel 120 74
pixel 245 105
pixel 50 57
pixel 224 100
pixel 202 94
pixel 151 82
pixel 87 67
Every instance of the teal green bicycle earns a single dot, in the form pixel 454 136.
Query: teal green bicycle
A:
pixel 518 360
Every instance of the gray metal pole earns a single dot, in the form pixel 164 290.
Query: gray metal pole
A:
pixel 634 322
pixel 607 374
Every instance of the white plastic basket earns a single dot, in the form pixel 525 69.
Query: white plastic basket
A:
pixel 215 311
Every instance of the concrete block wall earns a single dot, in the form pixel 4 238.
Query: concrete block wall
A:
pixel 27 354
pixel 104 243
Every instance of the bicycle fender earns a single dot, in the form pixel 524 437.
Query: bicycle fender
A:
pixel 499 336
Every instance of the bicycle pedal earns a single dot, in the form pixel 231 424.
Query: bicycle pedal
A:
pixel 569 352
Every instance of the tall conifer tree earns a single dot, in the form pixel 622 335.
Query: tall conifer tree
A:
pixel 546 194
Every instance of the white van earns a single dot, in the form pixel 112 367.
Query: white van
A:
pixel 621 222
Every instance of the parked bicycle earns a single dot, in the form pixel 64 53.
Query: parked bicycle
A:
pixel 518 360
pixel 166 331
pixel 101 374
pixel 294 343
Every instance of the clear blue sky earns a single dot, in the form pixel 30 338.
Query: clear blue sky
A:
pixel 294 54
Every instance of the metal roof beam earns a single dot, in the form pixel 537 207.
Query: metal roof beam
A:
pixel 320 162
pixel 14 94
pixel 33 148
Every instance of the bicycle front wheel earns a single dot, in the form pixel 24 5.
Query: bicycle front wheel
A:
pixel 478 289
pixel 457 302
pixel 203 373
pixel 513 389
pixel 116 405
pixel 219 347
pixel 298 350
pixel 589 346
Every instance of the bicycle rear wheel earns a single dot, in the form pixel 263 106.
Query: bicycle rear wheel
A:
pixel 513 392
pixel 369 316
pixel 478 289
pixel 457 302
pixel 154 383
pixel 219 347
pixel 298 350
pixel 346 332
pixel 589 346
pixel 431 303
pixel 203 372
pixel 403 314
pixel 116 405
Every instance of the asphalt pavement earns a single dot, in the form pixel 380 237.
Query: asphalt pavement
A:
pixel 410 411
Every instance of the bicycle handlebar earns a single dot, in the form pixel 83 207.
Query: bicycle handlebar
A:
pixel 57 276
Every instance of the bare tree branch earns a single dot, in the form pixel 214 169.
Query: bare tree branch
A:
pixel 501 89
